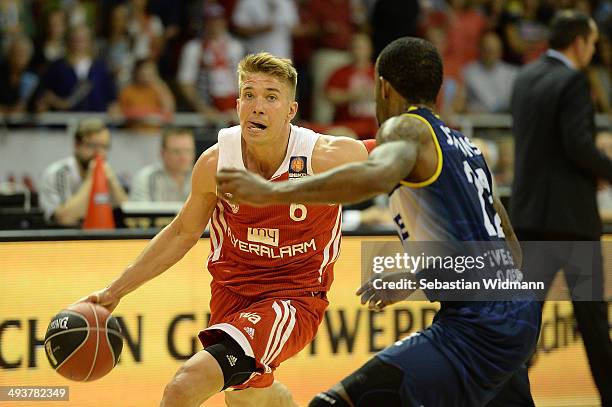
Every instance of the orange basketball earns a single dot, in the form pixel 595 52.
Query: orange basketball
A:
pixel 83 342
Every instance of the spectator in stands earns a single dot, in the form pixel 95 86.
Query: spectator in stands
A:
pixel 17 83
pixel 393 19
pixel 488 82
pixel 266 25
pixel 170 179
pixel 450 97
pixel 15 18
pixel 524 31
pixel 170 14
pixel 116 46
pixel 207 72
pixel 51 43
pixel 304 34
pixel 80 12
pixel 66 184
pixel 148 101
pixel 351 90
pixel 77 81
pixel 173 15
pixel 465 27
pixel 229 6
pixel 494 13
pixel 334 28
pixel 146 31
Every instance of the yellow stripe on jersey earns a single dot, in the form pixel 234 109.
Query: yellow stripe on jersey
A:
pixel 436 174
pixel 413 108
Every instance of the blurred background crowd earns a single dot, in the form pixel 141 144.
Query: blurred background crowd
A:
pixel 143 62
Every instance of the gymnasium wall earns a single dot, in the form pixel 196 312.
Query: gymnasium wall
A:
pixel 161 321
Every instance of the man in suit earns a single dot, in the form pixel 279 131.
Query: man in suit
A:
pixel 555 181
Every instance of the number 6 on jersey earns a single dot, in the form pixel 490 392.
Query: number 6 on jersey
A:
pixel 298 209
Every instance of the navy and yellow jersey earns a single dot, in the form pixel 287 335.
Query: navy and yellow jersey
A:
pixel 456 202
pixel 478 342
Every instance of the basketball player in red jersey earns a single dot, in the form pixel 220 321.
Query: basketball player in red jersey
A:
pixel 271 266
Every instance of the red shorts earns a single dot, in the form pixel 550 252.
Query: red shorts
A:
pixel 270 330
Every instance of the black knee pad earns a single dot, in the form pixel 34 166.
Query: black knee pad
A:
pixel 328 399
pixel 236 366
pixel 375 384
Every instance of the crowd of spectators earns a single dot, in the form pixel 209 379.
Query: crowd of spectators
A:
pixel 141 61
pixel 84 55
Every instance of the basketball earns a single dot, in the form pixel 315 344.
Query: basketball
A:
pixel 83 342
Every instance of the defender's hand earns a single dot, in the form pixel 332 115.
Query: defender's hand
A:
pixel 379 298
pixel 243 186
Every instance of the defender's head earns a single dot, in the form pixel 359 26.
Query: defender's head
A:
pixel 409 71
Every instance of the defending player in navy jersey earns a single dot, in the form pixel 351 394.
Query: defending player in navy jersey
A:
pixel 440 190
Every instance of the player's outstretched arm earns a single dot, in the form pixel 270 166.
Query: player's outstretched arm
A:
pixel 393 160
pixel 174 241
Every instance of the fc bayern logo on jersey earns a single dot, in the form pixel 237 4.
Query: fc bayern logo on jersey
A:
pixel 297 167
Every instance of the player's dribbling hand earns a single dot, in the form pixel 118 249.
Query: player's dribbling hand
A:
pixel 239 186
pixel 378 298
pixel 104 298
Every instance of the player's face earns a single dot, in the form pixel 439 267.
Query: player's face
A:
pixel 265 107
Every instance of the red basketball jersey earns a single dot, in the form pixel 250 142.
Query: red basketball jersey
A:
pixel 277 250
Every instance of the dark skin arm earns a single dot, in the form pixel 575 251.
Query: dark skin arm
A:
pixel 511 238
pixel 398 139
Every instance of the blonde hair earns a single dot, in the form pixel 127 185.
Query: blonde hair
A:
pixel 264 62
